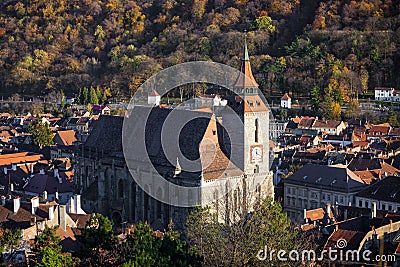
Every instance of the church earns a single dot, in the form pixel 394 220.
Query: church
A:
pixel 228 181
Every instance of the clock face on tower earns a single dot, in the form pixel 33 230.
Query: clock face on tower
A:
pixel 256 153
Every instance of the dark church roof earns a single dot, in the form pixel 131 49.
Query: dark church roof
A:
pixel 106 135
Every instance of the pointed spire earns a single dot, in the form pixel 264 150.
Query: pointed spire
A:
pixel 246 78
pixel 246 53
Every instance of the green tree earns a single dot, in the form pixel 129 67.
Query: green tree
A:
pixel 52 257
pixel 148 249
pixel 99 241
pixel 93 97
pixel 80 97
pixel 47 244
pixel 41 134
pixel 315 100
pixel 392 118
pixel 62 96
pixel 99 96
pixel 85 96
pixel 10 240
pixel 47 239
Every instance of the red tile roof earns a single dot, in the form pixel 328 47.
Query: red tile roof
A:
pixel 317 214
pixel 67 137
pixel 153 93
pixel 352 238
pixel 326 124
pixel 246 78
pixel 18 158
pixel 285 97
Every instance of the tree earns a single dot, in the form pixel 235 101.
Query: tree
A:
pixel 392 118
pixel 99 96
pixel 47 239
pixel 99 241
pixel 41 134
pixel 85 96
pixel 354 110
pixel 47 244
pixel 147 249
pixel 93 97
pixel 264 23
pixel 62 99
pixel 315 102
pixel 52 257
pixel 336 111
pixel 10 240
pixel 237 243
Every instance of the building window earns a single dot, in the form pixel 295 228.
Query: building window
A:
pixel 256 132
pixel 120 188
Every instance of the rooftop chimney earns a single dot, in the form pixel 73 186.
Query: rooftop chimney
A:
pixel 5 170
pixel 373 215
pixel 56 173
pixel 51 213
pixel 328 210
pixel 17 204
pixel 41 171
pixel 3 201
pixel 45 194
pixel 14 167
pixel 34 204
pixel 62 213
pixel 56 196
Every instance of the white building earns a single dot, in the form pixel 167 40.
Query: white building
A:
pixel 313 186
pixel 385 94
pixel 286 101
pixel 154 98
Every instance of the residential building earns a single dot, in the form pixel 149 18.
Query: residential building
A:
pixel 101 110
pixel 385 193
pixel 384 94
pixel 57 186
pixel 154 98
pixel 313 186
pixel 286 101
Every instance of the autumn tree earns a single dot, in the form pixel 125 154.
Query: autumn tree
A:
pixel 353 111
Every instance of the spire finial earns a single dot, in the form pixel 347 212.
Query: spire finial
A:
pixel 246 53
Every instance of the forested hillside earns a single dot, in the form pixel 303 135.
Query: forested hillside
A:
pixel 314 49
